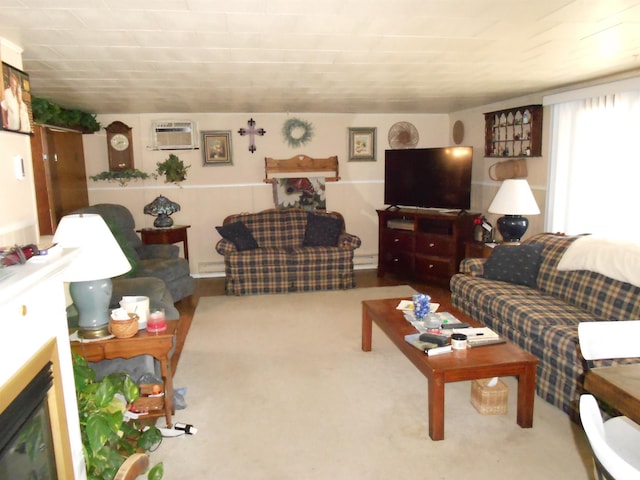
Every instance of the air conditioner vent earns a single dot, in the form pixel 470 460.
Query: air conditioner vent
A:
pixel 174 135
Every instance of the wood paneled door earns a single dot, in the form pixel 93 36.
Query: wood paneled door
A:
pixel 59 174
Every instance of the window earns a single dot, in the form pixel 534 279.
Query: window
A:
pixel 594 177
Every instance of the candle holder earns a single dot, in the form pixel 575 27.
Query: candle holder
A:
pixel 157 321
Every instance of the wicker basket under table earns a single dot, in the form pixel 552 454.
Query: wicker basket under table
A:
pixel 489 400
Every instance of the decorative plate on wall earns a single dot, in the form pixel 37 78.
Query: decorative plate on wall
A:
pixel 403 135
pixel 458 132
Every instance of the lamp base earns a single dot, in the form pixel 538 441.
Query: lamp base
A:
pixel 92 298
pixel 512 227
pixel 163 221
pixel 93 333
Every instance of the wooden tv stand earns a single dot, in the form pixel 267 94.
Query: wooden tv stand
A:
pixel 422 244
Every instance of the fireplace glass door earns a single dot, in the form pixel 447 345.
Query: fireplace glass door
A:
pixel 26 446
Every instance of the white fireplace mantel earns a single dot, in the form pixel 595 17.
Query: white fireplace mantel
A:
pixel 32 314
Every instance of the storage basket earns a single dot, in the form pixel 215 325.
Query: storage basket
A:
pixel 124 328
pixel 489 400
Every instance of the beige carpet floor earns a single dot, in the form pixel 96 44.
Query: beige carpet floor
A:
pixel 279 389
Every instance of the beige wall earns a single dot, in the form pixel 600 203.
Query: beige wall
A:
pixel 17 196
pixel 483 189
pixel 211 193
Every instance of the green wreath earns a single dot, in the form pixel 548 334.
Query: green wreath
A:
pixel 294 124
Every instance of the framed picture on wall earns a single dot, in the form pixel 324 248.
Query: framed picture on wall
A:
pixel 362 144
pixel 216 147
pixel 17 115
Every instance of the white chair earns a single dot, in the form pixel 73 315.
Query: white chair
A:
pixel 600 340
pixel 615 443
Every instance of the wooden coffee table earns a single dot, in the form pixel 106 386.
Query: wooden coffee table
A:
pixel 498 360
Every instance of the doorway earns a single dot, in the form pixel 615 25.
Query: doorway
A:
pixel 59 175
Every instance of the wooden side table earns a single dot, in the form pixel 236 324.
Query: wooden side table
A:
pixel 477 250
pixel 174 234
pixel 158 345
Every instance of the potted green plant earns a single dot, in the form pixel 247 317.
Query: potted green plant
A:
pixel 107 439
pixel 173 169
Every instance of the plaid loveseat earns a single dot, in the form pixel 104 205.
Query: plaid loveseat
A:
pixel 282 263
pixel 544 320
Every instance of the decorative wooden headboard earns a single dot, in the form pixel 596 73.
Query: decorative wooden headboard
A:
pixel 300 165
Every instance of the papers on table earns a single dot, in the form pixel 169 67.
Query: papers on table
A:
pixel 75 337
pixel 407 306
pixel 475 336
pixel 479 333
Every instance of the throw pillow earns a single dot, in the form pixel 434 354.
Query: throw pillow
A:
pixel 515 264
pixel 322 231
pixel 239 234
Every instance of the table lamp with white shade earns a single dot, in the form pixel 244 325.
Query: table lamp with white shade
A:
pixel 100 259
pixel 513 200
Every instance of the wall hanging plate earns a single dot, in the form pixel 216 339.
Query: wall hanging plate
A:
pixel 403 135
pixel 458 132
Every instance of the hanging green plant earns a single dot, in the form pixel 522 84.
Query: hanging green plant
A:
pixel 48 113
pixel 297 132
pixel 122 177
pixel 173 169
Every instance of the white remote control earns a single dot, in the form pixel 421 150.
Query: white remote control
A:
pixel 439 350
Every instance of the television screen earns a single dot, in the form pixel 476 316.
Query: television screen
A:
pixel 428 177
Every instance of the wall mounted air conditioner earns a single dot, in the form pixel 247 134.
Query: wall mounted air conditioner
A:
pixel 174 135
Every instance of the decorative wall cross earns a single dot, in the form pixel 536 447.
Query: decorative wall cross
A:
pixel 252 131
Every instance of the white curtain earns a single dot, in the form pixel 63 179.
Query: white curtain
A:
pixel 594 177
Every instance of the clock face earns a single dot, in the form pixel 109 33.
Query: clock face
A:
pixel 119 142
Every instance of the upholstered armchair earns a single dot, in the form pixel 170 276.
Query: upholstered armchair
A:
pixel 158 273
pixel 158 261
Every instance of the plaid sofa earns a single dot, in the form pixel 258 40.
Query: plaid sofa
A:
pixel 544 321
pixel 281 263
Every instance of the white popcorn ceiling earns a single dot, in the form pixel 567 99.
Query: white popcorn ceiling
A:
pixel 366 56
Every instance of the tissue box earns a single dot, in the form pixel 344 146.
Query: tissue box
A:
pixel 489 400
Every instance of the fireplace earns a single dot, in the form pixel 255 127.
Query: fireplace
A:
pixel 34 329
pixel 26 444
pixel 33 439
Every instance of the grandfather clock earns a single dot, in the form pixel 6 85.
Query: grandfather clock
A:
pixel 119 146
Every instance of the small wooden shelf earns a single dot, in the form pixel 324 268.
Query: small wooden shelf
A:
pixel 302 166
pixel 514 132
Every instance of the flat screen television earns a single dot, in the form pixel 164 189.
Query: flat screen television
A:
pixel 428 178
